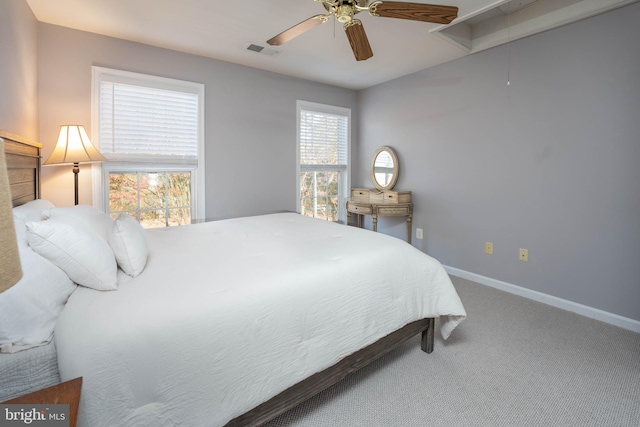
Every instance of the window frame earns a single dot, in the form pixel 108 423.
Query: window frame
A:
pixel 100 172
pixel 345 187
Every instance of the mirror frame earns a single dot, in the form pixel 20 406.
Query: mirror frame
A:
pixel 396 168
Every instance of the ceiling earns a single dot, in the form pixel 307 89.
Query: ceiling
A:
pixel 224 29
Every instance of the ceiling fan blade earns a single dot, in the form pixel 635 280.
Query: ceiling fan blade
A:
pixel 297 29
pixel 358 40
pixel 415 11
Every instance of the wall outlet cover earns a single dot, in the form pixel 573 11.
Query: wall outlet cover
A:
pixel 488 248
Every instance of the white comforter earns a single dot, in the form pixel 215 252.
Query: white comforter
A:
pixel 228 314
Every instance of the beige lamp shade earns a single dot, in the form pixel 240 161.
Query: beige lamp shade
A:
pixel 74 146
pixel 10 269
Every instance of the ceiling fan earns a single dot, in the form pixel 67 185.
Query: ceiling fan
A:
pixel 345 10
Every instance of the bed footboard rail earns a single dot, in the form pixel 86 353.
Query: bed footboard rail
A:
pixel 320 381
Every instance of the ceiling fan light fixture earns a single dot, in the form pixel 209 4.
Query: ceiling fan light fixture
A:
pixel 344 13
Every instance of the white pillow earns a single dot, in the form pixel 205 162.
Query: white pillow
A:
pixel 30 308
pixel 80 252
pixel 21 231
pixel 129 243
pixel 32 211
pixel 97 220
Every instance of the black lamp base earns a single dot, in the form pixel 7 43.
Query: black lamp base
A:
pixel 76 170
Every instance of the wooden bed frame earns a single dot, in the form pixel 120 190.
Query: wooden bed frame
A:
pixel 23 167
pixel 23 163
pixel 320 381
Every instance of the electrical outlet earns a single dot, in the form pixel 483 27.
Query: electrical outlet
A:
pixel 524 255
pixel 488 248
pixel 419 233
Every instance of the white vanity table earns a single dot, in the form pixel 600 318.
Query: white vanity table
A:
pixel 381 201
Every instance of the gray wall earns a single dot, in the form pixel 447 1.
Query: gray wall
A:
pixel 250 117
pixel 18 73
pixel 550 163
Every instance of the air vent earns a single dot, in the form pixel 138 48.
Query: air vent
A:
pixel 261 49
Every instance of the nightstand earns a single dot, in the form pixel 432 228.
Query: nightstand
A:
pixel 66 393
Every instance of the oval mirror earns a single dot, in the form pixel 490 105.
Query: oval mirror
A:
pixel 384 168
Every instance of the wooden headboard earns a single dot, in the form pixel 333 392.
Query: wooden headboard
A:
pixel 23 166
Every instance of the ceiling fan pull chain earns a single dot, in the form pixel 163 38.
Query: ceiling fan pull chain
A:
pixel 509 47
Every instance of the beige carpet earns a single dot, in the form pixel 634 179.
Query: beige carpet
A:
pixel 513 362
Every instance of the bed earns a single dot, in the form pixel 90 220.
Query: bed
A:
pixel 234 322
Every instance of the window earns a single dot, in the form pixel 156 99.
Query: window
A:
pixel 150 129
pixel 323 160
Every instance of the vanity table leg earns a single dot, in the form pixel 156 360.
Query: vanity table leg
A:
pixel 374 221
pixel 409 218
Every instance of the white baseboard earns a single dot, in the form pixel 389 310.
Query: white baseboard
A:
pixel 594 313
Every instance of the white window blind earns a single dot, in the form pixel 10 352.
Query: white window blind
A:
pixel 323 160
pixel 148 127
pixel 323 138
pixel 147 122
